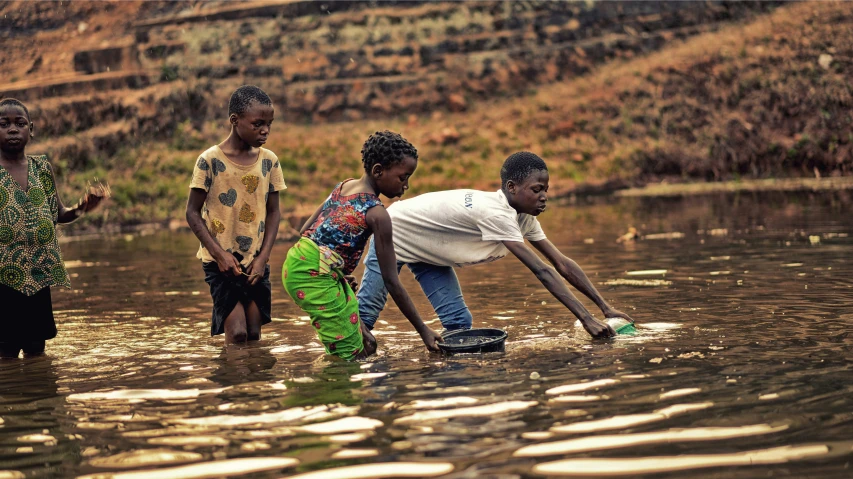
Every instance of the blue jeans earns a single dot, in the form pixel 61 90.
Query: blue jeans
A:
pixel 439 283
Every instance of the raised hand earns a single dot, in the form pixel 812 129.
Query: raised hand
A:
pixel 94 196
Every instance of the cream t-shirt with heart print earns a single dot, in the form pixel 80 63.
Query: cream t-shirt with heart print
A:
pixel 235 209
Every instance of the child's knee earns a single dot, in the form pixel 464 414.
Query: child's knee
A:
pixel 237 336
pixel 468 319
pixel 368 319
pixel 369 306
pixel 461 320
pixel 235 331
pixel 253 322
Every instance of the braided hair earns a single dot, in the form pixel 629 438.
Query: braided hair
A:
pixel 243 97
pixel 386 148
pixel 14 102
pixel 519 166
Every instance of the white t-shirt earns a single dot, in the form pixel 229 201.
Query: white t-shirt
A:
pixel 458 227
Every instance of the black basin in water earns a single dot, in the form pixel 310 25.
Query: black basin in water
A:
pixel 477 340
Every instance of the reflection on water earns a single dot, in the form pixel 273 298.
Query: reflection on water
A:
pixel 740 368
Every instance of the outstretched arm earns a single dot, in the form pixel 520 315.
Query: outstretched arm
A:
pixel 573 273
pixel 380 223
pixel 67 215
pixel 555 285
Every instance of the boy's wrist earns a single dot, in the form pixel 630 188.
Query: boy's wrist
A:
pixel 218 253
pixel 422 328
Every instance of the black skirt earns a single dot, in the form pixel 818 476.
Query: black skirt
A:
pixel 228 290
pixel 25 318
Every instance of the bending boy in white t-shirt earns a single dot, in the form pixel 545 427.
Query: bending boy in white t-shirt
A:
pixel 435 232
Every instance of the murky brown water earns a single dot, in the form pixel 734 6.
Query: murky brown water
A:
pixel 741 368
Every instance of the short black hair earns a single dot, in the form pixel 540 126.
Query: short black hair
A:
pixel 243 97
pixel 14 102
pixel 386 148
pixel 519 166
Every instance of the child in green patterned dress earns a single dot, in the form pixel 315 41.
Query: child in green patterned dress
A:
pixel 30 259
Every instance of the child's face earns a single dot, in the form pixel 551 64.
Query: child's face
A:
pixel 15 129
pixel 394 180
pixel 531 195
pixel 253 126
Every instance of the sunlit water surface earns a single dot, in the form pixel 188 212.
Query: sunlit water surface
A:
pixel 741 368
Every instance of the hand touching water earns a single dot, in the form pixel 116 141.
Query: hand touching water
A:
pixel 615 313
pixel 597 329
pixel 430 338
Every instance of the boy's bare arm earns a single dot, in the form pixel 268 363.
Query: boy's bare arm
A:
pixel 380 223
pixel 67 215
pixel 226 261
pixel 271 222
pixel 573 273
pixel 555 285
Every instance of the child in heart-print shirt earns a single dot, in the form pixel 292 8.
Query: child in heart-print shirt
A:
pixel 233 209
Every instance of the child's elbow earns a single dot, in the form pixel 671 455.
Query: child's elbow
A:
pixel 392 285
pixel 545 274
pixel 192 215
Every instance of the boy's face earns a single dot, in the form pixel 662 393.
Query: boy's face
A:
pixel 531 195
pixel 394 180
pixel 253 126
pixel 15 129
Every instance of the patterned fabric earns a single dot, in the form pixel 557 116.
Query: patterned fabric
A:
pixel 30 259
pixel 342 227
pixel 227 290
pixel 326 297
pixel 236 204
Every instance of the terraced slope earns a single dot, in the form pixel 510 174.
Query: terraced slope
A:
pixel 134 71
pixel 611 94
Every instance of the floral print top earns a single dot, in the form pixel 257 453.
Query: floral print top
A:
pixel 342 225
pixel 30 259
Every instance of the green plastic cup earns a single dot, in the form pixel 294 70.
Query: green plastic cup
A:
pixel 622 326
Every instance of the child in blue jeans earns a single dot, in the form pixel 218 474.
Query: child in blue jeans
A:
pixel 437 232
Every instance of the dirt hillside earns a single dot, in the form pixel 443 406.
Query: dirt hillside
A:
pixel 610 94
